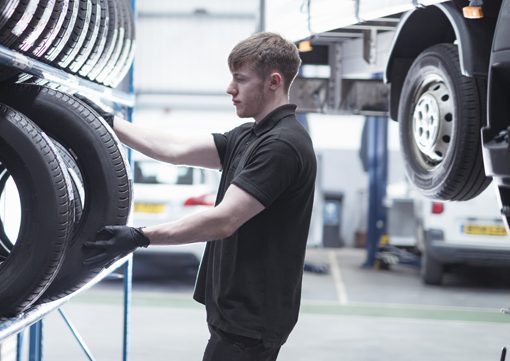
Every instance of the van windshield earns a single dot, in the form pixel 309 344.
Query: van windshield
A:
pixel 151 172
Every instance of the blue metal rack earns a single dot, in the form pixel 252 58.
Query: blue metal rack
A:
pixel 32 318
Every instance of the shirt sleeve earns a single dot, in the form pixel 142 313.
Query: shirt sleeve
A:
pixel 221 141
pixel 269 171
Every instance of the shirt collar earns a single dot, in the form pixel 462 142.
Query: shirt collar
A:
pixel 270 120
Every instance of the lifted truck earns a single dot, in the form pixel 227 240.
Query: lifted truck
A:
pixel 446 68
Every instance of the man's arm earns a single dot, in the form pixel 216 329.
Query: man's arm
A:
pixel 236 208
pixel 113 242
pixel 199 151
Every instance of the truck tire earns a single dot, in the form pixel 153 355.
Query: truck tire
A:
pixel 105 177
pixel 440 116
pixel 38 252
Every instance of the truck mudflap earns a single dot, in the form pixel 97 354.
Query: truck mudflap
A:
pixel 495 136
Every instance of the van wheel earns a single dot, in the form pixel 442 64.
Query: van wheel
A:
pixel 431 270
pixel 440 115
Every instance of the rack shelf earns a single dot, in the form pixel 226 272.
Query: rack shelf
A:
pixel 14 59
pixel 13 325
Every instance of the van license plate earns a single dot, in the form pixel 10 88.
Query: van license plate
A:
pixel 487 230
pixel 150 208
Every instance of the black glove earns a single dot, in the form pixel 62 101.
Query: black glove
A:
pixel 113 243
pixel 106 115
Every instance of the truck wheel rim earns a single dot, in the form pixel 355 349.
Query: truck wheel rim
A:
pixel 433 122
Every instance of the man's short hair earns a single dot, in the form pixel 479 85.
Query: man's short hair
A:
pixel 267 52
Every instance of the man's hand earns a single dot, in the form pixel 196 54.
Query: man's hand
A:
pixel 106 115
pixel 113 243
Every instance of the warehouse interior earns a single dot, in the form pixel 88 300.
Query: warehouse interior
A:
pixel 364 296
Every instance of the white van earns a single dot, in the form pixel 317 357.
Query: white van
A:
pixel 164 192
pixel 453 233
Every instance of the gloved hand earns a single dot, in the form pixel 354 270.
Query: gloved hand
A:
pixel 113 243
pixel 106 115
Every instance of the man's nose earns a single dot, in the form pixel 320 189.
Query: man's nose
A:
pixel 231 89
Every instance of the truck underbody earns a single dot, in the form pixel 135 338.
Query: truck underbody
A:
pixel 444 77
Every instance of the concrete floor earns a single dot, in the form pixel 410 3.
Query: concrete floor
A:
pixel 349 314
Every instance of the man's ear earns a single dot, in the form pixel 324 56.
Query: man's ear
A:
pixel 275 80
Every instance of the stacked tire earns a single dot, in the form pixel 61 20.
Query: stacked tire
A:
pixel 72 180
pixel 93 39
pixel 65 161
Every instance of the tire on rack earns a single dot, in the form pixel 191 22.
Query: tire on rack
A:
pixel 15 17
pixel 440 116
pixel 5 242
pixel 38 253
pixel 7 9
pixel 62 38
pixel 119 45
pixel 59 43
pixel 48 36
pixel 105 176
pixel 90 38
pixel 74 181
pixel 78 36
pixel 40 21
pixel 52 30
pixel 111 40
pixel 101 41
pixel 128 52
pixel 17 22
pixel 125 46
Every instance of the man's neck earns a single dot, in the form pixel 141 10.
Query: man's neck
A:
pixel 270 107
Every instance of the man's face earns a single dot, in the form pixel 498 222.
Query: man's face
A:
pixel 248 92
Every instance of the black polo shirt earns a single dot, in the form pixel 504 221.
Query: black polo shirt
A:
pixel 250 282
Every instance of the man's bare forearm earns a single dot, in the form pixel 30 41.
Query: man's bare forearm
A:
pixel 199 227
pixel 158 145
pixel 236 208
pixel 198 150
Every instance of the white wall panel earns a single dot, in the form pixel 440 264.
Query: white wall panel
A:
pixel 190 5
pixel 177 50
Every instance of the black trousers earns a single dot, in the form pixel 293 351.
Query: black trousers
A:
pixel 224 346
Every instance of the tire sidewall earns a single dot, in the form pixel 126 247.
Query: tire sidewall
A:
pixel 433 181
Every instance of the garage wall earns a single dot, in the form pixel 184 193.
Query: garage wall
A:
pixel 336 139
pixel 183 45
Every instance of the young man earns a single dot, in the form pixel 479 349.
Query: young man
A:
pixel 250 275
